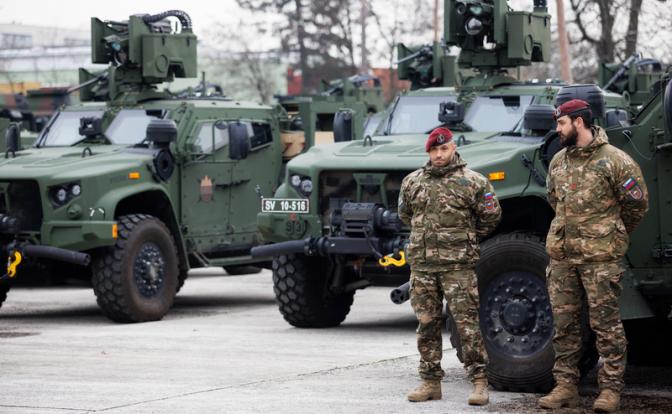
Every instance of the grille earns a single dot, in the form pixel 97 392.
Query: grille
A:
pixel 22 201
pixel 338 187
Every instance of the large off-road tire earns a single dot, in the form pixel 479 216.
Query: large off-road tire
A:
pixel 136 279
pixel 242 270
pixel 181 278
pixel 301 285
pixel 4 288
pixel 516 317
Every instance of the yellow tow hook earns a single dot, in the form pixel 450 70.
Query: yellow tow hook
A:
pixel 13 263
pixel 389 260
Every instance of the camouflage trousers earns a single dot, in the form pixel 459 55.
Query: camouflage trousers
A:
pixel 460 289
pixel 600 283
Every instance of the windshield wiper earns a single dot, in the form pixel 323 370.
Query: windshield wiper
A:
pixel 388 126
pixel 93 138
pixel 46 129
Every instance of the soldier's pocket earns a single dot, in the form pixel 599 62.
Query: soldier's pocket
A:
pixel 555 240
pixel 416 246
pixel 603 241
pixel 454 247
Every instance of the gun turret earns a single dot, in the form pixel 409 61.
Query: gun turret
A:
pixel 144 51
pixel 492 37
pixel 634 78
pixel 426 66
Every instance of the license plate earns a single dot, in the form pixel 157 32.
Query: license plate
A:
pixel 285 205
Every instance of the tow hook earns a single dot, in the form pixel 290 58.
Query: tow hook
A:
pixel 13 261
pixel 20 252
pixel 390 260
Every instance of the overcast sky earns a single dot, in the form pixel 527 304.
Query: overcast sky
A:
pixel 77 14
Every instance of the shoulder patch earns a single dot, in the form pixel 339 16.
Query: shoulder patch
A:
pixel 634 190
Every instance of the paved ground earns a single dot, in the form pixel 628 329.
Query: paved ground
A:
pixel 224 348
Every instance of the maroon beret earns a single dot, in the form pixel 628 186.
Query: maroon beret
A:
pixel 438 136
pixel 570 107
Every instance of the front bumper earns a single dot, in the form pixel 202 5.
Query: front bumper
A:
pixel 78 235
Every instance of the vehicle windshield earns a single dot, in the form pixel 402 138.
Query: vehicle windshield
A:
pixel 127 128
pixel 496 113
pixel 414 114
pixel 63 130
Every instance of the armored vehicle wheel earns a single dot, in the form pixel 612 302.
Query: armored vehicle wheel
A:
pixel 181 278
pixel 300 284
pixel 4 288
pixel 515 316
pixel 136 279
pixel 242 270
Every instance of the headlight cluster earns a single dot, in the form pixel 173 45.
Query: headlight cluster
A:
pixel 60 195
pixel 303 184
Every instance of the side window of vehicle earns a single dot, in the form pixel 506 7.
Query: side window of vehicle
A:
pixel 203 142
pixel 261 135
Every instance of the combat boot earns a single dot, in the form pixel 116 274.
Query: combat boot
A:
pixel 607 401
pixel 428 390
pixel 479 396
pixel 563 395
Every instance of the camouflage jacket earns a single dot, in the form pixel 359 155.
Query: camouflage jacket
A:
pixel 448 209
pixel 599 196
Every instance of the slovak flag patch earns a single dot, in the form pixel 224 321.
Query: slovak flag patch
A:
pixel 489 201
pixel 634 190
pixel 629 183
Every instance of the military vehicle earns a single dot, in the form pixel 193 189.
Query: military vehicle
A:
pixel 348 236
pixel 36 107
pixel 633 79
pixel 134 186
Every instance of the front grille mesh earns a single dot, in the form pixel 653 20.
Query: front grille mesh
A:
pixel 21 199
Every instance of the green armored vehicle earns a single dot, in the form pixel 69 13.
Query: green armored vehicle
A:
pixel 133 186
pixel 348 236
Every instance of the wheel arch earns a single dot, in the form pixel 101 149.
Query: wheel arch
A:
pixel 155 203
pixel 530 214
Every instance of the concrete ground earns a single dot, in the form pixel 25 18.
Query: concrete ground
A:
pixel 224 348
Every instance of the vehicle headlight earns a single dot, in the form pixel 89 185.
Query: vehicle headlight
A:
pixel 76 190
pixel 59 195
pixel 306 186
pixel 302 184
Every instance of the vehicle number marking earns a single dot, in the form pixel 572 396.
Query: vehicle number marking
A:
pixel 285 205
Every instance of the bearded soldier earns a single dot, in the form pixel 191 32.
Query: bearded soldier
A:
pixel 449 207
pixel 599 196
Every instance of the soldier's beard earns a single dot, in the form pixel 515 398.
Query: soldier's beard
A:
pixel 569 139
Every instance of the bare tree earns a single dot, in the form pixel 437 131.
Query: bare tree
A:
pixel 321 31
pixel 611 28
pixel 406 21
pixel 232 59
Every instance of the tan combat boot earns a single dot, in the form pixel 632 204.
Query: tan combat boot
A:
pixel 607 401
pixel 480 394
pixel 428 390
pixel 563 395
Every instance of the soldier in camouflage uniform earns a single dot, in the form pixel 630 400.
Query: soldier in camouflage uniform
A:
pixel 599 196
pixel 449 207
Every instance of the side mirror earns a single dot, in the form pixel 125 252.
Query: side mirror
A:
pixel 615 117
pixel 539 119
pixel 90 126
pixel 451 112
pixel 161 132
pixel 239 141
pixel 343 128
pixel 12 139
